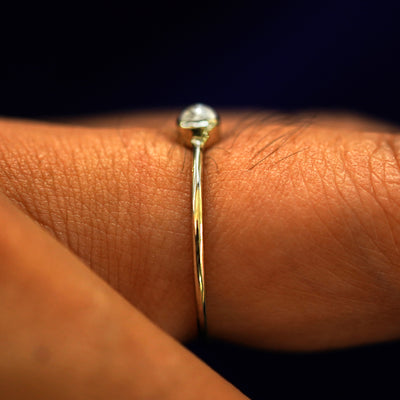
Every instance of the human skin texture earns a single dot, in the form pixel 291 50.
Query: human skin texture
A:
pixel 301 220
pixel 66 334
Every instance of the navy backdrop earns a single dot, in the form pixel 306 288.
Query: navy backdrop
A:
pixel 281 54
pixel 70 59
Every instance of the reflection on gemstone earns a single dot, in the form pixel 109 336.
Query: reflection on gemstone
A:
pixel 198 116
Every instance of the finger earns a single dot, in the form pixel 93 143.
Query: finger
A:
pixel 306 238
pixel 300 223
pixel 66 334
pixel 105 195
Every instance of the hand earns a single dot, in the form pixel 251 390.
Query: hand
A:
pixel 65 334
pixel 301 221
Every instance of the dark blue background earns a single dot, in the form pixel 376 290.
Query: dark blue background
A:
pixel 69 59
pixel 281 54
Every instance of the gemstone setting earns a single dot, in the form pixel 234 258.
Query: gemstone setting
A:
pixel 196 123
pixel 198 116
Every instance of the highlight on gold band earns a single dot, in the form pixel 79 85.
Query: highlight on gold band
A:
pixel 198 128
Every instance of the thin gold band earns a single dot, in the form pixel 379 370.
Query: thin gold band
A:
pixel 198 245
pixel 195 125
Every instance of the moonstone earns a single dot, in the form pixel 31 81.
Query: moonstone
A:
pixel 198 116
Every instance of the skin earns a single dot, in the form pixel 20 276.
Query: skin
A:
pixel 66 334
pixel 301 222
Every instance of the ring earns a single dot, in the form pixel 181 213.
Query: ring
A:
pixel 198 128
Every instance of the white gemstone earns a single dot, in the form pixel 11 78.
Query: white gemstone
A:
pixel 197 116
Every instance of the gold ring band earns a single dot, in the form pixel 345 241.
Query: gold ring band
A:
pixel 198 125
